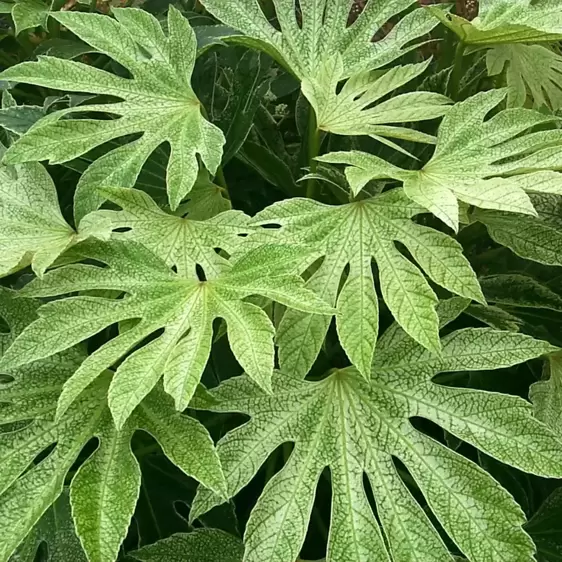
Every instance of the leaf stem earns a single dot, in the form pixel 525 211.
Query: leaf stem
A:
pixel 313 151
pixel 456 74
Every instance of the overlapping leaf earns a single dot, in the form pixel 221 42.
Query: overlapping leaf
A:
pixel 356 427
pixel 519 290
pixel 490 163
pixel 316 44
pixel 28 14
pixel 355 109
pixel 183 242
pixel 158 103
pixel 175 312
pixel 534 238
pixel 507 21
pixel 32 228
pixel 354 235
pixel 56 530
pixel 530 71
pixel 37 450
pixel 202 545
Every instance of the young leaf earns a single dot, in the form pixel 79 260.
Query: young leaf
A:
pixel 158 299
pixel 355 427
pixel 321 50
pixel 507 21
pixel 471 156
pixel 355 235
pixel 158 102
pixel 202 545
pixel 530 70
pixel 351 110
pixel 104 491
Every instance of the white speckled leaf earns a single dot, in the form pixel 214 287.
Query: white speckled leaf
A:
pixel 472 160
pixel 356 234
pixel 354 427
pixel 158 299
pixel 104 491
pixel 323 50
pixel 181 242
pixel 546 395
pixel 470 156
pixel 531 71
pixel 158 102
pixel 356 109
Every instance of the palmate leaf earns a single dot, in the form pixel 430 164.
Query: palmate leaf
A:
pixel 351 111
pixel 32 228
pixel 318 47
pixel 180 242
pixel 356 234
pixel 356 427
pixel 489 163
pixel 507 21
pixel 202 545
pixel 530 71
pixel 158 300
pixel 37 450
pixel 158 103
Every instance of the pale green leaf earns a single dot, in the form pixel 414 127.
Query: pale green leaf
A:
pixel 476 161
pixel 350 111
pixel 354 235
pixel 104 492
pixel 321 50
pixel 530 71
pixel 32 228
pixel 202 545
pixel 507 21
pixel 157 299
pixel 495 317
pixel 158 102
pixel 105 488
pixel 356 428
pixel 181 242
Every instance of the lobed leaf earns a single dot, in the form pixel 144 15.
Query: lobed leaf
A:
pixel 158 103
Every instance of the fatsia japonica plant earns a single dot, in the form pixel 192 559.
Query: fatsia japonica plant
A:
pixel 281 281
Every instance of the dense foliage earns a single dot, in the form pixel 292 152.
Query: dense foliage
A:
pixel 281 281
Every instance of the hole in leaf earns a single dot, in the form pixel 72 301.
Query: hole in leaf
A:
pixel 200 273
